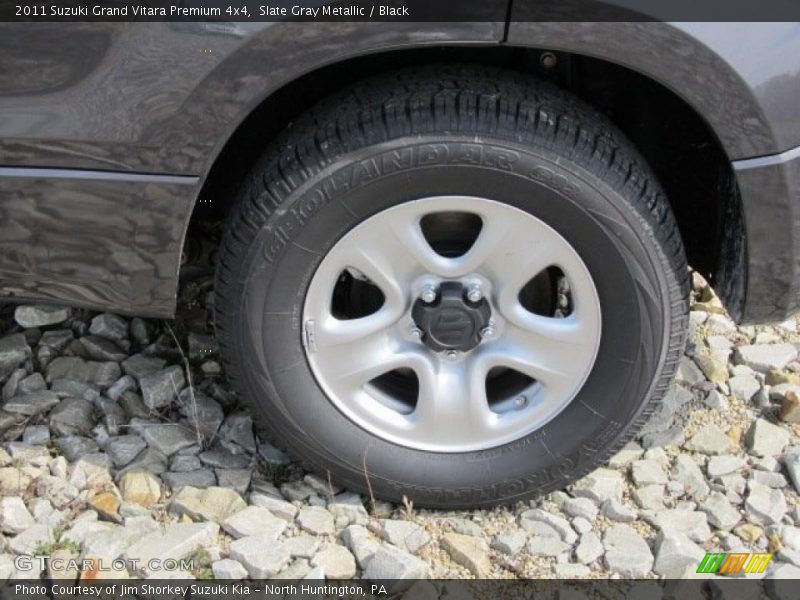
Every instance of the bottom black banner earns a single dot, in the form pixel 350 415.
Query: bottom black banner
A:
pixel 715 588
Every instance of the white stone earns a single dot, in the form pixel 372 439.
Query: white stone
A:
pixel 227 568
pixel 254 520
pixel 626 552
pixel 14 515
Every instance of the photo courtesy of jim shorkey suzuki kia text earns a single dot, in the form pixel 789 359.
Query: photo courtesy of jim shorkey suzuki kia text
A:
pixel 142 10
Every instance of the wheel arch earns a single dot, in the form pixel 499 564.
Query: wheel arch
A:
pixel 706 201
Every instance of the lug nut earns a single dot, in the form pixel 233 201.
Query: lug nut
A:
pixel 520 402
pixel 474 293
pixel 452 354
pixel 487 332
pixel 416 333
pixel 428 294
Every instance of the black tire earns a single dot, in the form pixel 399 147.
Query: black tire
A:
pixel 482 131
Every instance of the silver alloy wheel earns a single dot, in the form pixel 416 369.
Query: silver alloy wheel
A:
pixel 452 411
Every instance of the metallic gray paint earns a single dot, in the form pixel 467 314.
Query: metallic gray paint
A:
pixel 771 202
pixel 707 65
pixel 106 242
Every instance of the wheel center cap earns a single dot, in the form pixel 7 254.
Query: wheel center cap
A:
pixel 451 322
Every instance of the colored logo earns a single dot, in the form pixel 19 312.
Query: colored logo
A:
pixel 728 563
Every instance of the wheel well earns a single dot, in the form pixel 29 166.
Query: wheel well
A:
pixel 677 143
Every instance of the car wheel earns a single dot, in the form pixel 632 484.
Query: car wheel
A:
pixel 457 284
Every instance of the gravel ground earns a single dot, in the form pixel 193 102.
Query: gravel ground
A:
pixel 120 444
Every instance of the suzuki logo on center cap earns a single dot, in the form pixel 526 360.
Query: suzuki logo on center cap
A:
pixel 452 326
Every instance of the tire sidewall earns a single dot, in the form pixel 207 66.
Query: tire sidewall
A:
pixel 608 231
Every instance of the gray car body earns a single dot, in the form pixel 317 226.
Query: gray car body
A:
pixel 109 130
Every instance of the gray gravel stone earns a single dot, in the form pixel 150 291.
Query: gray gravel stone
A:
pixel 139 331
pixel 201 346
pixel 75 446
pixel 335 561
pixel 36 434
pixel 262 557
pixel 626 552
pixel 646 472
pixel 272 455
pixel 693 524
pixel 744 387
pixel 674 553
pixel 670 437
pixel 32 383
pixel 139 365
pixel 77 369
pixel 183 463
pixel 76 389
pixel 40 315
pixel 109 326
pixel 360 543
pixel 279 508
pixel 629 453
pixel 168 438
pixel 236 479
pixel 723 465
pixel 690 476
pixel 33 537
pixel 649 497
pixel 150 459
pixel 315 520
pixel 559 524
pixel 72 416
pixel 720 513
pixel 510 543
pixel 349 505
pixel 763 357
pixel 390 563
pixel 201 478
pixel 600 485
pixel 589 549
pixel 791 461
pixel 469 552
pixel 688 372
pixel 14 515
pixel 765 439
pixel 203 413
pixel 32 404
pixel 124 448
pixel 209 504
pixel 617 511
pixel 238 430
pixel 120 386
pixel 10 387
pixel 222 458
pixel 161 388
pixel 710 439
pixel 580 507
pixel 764 505
pixel 404 534
pixel 773 480
pixel 227 568
pixel 100 348
pixel 254 520
pixel 302 546
pixel 716 400
pixel 546 546
pixel 176 541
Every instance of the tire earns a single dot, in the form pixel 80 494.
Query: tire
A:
pixel 451 131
